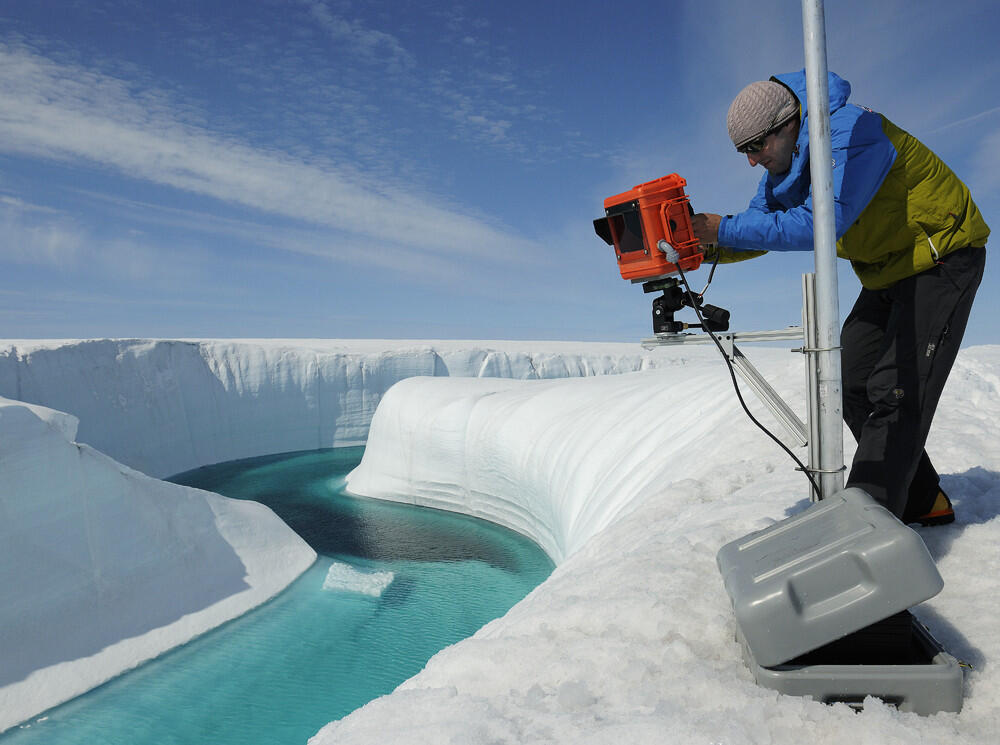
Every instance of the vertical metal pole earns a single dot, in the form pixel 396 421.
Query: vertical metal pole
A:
pixel 825 246
pixel 810 341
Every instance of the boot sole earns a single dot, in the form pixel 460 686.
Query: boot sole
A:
pixel 939 518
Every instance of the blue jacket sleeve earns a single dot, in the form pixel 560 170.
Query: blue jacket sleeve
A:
pixel 862 156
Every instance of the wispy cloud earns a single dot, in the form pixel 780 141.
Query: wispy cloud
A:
pixel 42 236
pixel 390 258
pixel 366 81
pixel 995 111
pixel 478 90
pixel 370 44
pixel 19 205
pixel 68 113
pixel 986 171
pixel 54 241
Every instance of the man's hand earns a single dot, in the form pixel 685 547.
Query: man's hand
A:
pixel 706 228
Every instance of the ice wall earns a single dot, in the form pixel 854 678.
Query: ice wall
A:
pixel 557 461
pixel 102 567
pixel 164 407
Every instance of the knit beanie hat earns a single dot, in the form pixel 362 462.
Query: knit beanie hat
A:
pixel 758 109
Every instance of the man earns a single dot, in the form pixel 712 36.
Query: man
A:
pixel 915 239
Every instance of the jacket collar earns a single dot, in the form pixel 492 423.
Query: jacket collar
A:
pixel 788 187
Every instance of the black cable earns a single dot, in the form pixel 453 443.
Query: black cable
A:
pixel 736 385
pixel 711 274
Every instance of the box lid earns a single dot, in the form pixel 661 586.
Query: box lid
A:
pixel 842 564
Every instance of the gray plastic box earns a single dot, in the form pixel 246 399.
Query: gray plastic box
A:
pixel 844 565
pixel 930 681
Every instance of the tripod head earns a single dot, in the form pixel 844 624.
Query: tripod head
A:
pixel 674 298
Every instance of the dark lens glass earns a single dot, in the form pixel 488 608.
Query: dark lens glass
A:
pixel 628 228
pixel 754 146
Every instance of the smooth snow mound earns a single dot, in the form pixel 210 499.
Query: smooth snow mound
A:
pixel 102 568
pixel 345 578
pixel 634 483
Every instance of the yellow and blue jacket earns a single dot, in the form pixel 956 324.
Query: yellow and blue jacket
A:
pixel 898 207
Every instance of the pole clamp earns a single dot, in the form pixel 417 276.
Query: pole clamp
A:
pixel 822 470
pixel 815 350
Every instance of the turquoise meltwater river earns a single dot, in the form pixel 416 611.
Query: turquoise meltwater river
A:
pixel 393 585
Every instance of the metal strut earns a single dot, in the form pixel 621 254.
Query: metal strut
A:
pixel 749 374
pixel 815 434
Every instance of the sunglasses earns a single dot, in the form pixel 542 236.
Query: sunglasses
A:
pixel 757 144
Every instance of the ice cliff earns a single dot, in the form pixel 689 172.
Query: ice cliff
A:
pixel 101 566
pixel 163 407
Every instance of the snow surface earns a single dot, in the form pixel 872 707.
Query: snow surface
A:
pixel 102 567
pixel 631 482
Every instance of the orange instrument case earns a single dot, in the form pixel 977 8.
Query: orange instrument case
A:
pixel 637 220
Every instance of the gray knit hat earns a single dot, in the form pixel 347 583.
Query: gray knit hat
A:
pixel 758 109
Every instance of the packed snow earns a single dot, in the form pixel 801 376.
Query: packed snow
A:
pixel 102 568
pixel 630 482
pixel 633 483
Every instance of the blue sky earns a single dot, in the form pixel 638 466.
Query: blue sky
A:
pixel 328 168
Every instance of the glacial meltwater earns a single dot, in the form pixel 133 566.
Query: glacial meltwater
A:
pixel 393 585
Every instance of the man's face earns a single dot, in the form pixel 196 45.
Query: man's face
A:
pixel 779 146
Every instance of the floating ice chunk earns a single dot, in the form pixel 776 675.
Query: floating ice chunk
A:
pixel 345 578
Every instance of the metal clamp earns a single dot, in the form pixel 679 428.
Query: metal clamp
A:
pixel 814 350
pixel 822 470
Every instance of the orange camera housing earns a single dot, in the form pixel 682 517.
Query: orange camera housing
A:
pixel 637 220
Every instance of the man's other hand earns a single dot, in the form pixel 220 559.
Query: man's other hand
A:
pixel 706 228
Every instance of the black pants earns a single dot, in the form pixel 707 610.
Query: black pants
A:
pixel 898 347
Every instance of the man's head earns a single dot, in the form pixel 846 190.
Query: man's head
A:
pixel 763 123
